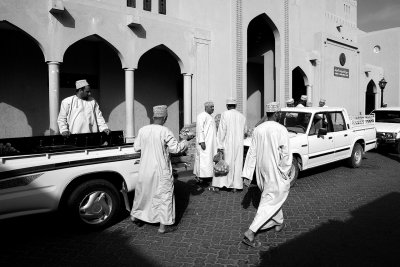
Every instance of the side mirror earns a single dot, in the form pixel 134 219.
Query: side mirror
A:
pixel 322 132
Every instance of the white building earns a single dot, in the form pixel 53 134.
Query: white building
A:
pixel 141 53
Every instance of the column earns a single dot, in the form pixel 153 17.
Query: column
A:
pixel 54 95
pixel 129 101
pixel 187 98
pixel 309 96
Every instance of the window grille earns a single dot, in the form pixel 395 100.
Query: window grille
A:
pixel 131 3
pixel 147 5
pixel 162 7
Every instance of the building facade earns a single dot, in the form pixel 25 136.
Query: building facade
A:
pixel 140 53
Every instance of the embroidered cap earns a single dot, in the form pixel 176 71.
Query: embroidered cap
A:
pixel 160 111
pixel 304 97
pixel 209 104
pixel 81 83
pixel 231 101
pixel 322 101
pixel 290 101
pixel 273 107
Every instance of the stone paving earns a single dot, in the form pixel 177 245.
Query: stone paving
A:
pixel 335 216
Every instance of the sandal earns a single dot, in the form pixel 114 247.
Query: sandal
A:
pixel 168 229
pixel 280 227
pixel 137 222
pixel 213 189
pixel 254 244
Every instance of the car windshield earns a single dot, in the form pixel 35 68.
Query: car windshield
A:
pixel 295 122
pixel 390 116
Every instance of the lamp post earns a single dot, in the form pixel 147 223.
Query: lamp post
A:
pixel 382 85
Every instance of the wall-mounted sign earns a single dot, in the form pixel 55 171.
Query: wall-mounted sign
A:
pixel 341 72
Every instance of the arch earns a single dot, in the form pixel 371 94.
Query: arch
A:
pixel 299 83
pixel 165 48
pixel 262 66
pixel 23 72
pixel 370 97
pixel 98 37
pixel 5 24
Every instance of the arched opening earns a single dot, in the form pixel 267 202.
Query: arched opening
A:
pixel 261 75
pixel 94 59
pixel 24 99
pixel 370 97
pixel 299 79
pixel 158 81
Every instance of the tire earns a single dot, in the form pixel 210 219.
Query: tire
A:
pixel 356 156
pixel 94 205
pixel 294 172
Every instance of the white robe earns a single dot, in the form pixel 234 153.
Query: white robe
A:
pixel 269 154
pixel 232 127
pixel 300 106
pixel 154 191
pixel 205 132
pixel 80 116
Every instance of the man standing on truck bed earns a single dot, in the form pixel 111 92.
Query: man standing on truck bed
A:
pixel 81 113
pixel 154 192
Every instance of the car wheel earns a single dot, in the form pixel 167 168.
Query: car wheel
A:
pixel 94 204
pixel 294 172
pixel 356 156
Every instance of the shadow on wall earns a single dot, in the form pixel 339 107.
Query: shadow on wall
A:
pixel 158 81
pixel 370 238
pixel 23 85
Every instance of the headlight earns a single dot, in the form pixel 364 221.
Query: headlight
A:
pixel 398 135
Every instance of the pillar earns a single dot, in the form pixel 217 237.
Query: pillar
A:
pixel 309 96
pixel 187 98
pixel 54 95
pixel 129 101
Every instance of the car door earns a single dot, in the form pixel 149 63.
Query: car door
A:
pixel 341 135
pixel 321 149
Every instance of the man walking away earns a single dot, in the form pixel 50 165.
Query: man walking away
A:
pixel 270 156
pixel 206 146
pixel 81 113
pixel 231 130
pixel 154 192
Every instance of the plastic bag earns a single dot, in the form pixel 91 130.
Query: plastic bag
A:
pixel 221 168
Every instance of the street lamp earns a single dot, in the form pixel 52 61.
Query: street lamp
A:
pixel 382 85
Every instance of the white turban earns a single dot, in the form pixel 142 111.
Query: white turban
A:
pixel 304 97
pixel 290 101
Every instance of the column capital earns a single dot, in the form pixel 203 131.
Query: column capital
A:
pixel 187 74
pixel 129 69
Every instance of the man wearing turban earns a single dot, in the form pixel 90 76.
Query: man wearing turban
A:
pixel 154 192
pixel 80 113
pixel 269 155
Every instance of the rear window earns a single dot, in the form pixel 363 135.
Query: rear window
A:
pixel 389 116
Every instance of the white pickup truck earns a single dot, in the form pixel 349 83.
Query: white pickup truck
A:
pixel 87 176
pixel 322 135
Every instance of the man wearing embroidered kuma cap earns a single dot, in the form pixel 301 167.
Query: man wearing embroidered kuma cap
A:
pixel 303 102
pixel 269 155
pixel 154 192
pixel 322 103
pixel 80 113
pixel 230 135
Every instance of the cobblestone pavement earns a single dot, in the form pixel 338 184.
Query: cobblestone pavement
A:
pixel 336 216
